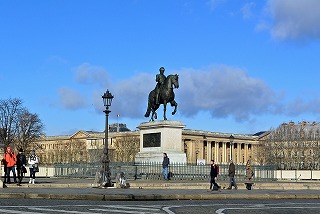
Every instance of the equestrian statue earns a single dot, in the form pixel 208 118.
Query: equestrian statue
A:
pixel 162 94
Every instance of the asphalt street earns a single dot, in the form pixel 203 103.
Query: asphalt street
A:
pixel 241 206
pixel 150 190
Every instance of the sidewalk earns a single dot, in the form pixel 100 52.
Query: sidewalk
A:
pixel 84 189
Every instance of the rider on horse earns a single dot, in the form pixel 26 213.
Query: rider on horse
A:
pixel 160 78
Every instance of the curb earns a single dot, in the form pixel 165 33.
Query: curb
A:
pixel 175 185
pixel 154 197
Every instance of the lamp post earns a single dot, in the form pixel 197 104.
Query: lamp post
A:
pixel 105 173
pixel 231 138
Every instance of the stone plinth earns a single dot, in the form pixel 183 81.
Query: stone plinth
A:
pixel 158 137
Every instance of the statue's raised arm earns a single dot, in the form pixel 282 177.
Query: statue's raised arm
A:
pixel 162 94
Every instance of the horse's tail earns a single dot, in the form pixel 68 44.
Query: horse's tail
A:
pixel 147 114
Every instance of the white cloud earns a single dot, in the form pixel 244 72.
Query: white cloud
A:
pixel 130 96
pixel 247 10
pixel 295 19
pixel 70 99
pixel 300 106
pixel 213 4
pixel 89 74
pixel 224 91
pixel 262 26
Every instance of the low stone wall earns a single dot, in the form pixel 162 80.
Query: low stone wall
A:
pixel 297 174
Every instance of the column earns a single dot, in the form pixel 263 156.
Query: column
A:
pixel 224 152
pixel 209 152
pixel 238 152
pixel 192 151
pixel 216 153
pixel 232 151
pixel 245 153
pixel 201 150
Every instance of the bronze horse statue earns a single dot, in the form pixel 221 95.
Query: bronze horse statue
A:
pixel 166 96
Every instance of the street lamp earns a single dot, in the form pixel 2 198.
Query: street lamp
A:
pixel 231 138
pixel 105 171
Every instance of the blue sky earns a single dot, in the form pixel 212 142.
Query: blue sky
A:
pixel 244 66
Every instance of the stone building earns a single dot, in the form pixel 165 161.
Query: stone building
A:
pixel 87 146
pixel 217 146
pixel 291 146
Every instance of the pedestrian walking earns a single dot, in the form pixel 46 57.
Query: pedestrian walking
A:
pixel 4 163
pixel 249 171
pixel 33 162
pixel 165 166
pixel 249 174
pixel 214 171
pixel 10 160
pixel 231 173
pixel 21 165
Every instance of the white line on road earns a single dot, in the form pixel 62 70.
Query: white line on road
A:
pixel 221 210
pixel 16 211
pixel 60 211
pixel 131 208
pixel 123 211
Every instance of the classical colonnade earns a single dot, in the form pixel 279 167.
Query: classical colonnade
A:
pixel 218 150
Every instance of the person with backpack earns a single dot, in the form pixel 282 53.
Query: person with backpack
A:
pixel 214 172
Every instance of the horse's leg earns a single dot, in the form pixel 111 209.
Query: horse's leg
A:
pixel 164 110
pixel 153 115
pixel 175 104
pixel 151 118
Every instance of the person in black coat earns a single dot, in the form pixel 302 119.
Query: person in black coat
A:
pixel 232 172
pixel 21 165
pixel 214 171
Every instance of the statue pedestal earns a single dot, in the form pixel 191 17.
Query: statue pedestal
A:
pixel 160 137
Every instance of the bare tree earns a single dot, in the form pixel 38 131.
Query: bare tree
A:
pixel 70 152
pixel 293 146
pixel 126 148
pixel 8 117
pixel 28 128
pixel 18 127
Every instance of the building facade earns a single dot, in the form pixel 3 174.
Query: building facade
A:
pixel 291 146
pixel 87 146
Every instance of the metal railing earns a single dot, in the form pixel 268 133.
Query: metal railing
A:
pixel 153 171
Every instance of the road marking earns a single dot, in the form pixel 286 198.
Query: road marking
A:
pixel 123 211
pixel 131 207
pixel 56 210
pixel 221 210
pixel 104 208
pixel 167 209
pixel 16 211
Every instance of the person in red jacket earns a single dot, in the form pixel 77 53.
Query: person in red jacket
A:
pixel 11 160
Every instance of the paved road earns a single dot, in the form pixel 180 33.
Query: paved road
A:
pixel 26 206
